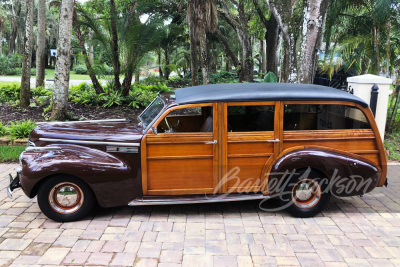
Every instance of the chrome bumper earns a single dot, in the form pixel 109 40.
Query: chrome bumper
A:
pixel 14 183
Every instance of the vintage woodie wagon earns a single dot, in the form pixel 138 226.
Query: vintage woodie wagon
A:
pixel 226 142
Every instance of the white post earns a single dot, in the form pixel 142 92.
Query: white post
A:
pixel 362 86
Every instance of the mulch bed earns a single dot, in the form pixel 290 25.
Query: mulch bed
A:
pixel 77 112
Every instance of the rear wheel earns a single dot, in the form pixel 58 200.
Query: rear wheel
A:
pixel 305 194
pixel 65 199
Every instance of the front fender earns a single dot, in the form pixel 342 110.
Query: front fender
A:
pixel 113 181
pixel 348 174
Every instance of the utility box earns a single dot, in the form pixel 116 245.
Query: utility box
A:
pixel 362 85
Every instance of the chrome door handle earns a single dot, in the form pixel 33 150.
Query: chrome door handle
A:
pixel 211 143
pixel 273 141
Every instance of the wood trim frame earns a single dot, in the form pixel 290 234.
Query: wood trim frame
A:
pixel 143 159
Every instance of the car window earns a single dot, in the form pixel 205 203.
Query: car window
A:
pixel 323 117
pixel 251 118
pixel 187 120
pixel 151 112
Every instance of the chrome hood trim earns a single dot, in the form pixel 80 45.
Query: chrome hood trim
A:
pixel 68 141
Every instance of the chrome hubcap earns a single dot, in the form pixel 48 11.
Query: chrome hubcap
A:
pixel 306 193
pixel 66 198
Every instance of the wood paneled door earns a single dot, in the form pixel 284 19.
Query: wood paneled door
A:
pixel 252 141
pixel 182 158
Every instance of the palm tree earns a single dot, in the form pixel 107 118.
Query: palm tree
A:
pixel 63 62
pixel 41 43
pixel 27 60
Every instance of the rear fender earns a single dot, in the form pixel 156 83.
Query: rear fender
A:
pixel 348 174
pixel 113 181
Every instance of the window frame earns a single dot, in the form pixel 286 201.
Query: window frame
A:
pixel 258 103
pixel 170 109
pixel 310 102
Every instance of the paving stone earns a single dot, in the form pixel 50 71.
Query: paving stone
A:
pixel 197 260
pixel 114 246
pixel 99 258
pixel 149 250
pixel 225 261
pixel 36 249
pixel 53 256
pixel 123 259
pixel 15 244
pixel 171 256
pixel 26 260
pixel 139 262
pixel 76 258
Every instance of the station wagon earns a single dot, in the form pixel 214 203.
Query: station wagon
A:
pixel 298 143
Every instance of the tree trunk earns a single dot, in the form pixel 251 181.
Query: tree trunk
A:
pixel 285 66
pixel 114 44
pixel 15 27
pixel 227 46
pixel 191 15
pixel 160 72
pixel 127 82
pixel 96 85
pixel 27 60
pixel 1 43
pixel 263 59
pixel 167 71
pixel 313 17
pixel 41 44
pixel 63 62
pixel 91 48
pixel 227 66
pixel 137 76
pixel 272 40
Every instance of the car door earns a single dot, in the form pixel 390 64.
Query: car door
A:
pixel 180 156
pixel 250 144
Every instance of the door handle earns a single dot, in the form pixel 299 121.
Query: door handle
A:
pixel 211 143
pixel 273 141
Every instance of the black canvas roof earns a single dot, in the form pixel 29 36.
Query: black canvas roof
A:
pixel 235 92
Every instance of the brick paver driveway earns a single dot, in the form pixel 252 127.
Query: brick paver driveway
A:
pixel 353 231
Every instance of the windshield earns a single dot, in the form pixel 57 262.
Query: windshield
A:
pixel 149 114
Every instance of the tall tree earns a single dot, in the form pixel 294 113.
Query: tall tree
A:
pixel 27 60
pixel 240 24
pixel 2 27
pixel 314 12
pixel 114 44
pixel 41 43
pixel 63 62
pixel 16 13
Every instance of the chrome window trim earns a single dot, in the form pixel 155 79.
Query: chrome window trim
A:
pixel 88 142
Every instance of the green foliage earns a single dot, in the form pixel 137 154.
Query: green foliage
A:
pixel 80 69
pixel 3 129
pixel 21 129
pixel 10 153
pixel 222 77
pixel 10 92
pixel 10 64
pixel 152 79
pixel 270 77
pixel 40 91
pixel 392 145
pixel 33 72
pixel 112 99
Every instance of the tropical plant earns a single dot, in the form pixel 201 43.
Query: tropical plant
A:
pixel 21 129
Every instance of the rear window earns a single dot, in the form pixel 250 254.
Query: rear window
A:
pixel 323 117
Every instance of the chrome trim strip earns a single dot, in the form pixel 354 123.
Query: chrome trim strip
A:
pixel 9 192
pixel 88 142
pixel 171 201
pixel 44 148
pixel 53 122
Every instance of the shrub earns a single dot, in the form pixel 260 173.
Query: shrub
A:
pixel 270 78
pixel 3 129
pixel 33 72
pixel 10 63
pixel 80 69
pixel 10 92
pixel 21 129
pixel 152 79
pixel 40 91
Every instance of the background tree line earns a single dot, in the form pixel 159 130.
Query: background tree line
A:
pixel 197 38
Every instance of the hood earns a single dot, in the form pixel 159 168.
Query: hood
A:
pixel 103 130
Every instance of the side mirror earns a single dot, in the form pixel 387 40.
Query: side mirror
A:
pixel 154 130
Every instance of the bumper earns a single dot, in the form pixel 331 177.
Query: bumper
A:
pixel 14 183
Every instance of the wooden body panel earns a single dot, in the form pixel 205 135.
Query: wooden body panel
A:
pixel 181 163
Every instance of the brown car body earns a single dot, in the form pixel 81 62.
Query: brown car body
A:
pixel 125 162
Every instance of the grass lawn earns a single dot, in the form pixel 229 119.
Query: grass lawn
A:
pixel 7 83
pixel 10 153
pixel 392 144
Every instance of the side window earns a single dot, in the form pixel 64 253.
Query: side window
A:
pixel 187 120
pixel 251 118
pixel 323 117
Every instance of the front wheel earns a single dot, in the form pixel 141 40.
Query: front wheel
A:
pixel 65 199
pixel 305 194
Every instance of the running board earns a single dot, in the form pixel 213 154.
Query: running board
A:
pixel 186 199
